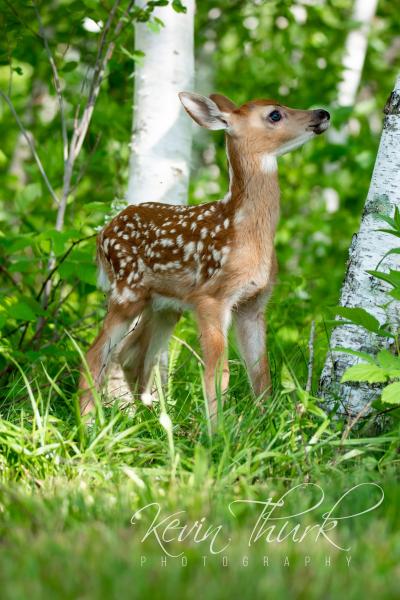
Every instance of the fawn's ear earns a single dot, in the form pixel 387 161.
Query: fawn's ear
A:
pixel 224 104
pixel 204 111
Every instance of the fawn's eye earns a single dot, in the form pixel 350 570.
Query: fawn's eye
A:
pixel 275 116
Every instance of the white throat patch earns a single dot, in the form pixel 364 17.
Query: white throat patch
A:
pixel 269 163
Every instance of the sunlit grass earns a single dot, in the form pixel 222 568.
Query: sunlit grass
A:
pixel 68 491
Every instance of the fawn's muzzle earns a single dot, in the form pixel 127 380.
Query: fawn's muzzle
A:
pixel 320 121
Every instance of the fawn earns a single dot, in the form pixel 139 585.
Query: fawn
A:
pixel 217 258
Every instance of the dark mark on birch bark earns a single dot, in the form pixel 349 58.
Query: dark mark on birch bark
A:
pixel 392 106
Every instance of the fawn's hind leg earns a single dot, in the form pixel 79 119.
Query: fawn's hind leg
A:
pixel 142 348
pixel 116 325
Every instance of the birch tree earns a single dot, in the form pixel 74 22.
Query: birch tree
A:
pixel 353 61
pixel 355 51
pixel 360 289
pixel 161 133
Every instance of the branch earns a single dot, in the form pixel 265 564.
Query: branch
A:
pixel 31 146
pixel 57 83
pixel 85 166
pixel 81 127
pixel 46 287
pixel 100 64
pixel 352 422
pixel 62 259
pixel 103 56
pixel 11 278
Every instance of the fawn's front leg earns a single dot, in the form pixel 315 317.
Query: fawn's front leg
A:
pixel 251 336
pixel 213 318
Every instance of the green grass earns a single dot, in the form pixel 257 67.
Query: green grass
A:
pixel 68 493
pixel 74 539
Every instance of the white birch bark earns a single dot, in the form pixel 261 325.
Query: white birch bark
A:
pixel 353 62
pixel 361 289
pixel 161 133
pixel 355 51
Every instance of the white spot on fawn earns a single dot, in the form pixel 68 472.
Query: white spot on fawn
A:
pixel 188 250
pixel 216 254
pixel 167 242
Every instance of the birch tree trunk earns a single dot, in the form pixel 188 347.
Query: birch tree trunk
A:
pixel 355 51
pixel 161 133
pixel 161 136
pixel 361 289
pixel 353 62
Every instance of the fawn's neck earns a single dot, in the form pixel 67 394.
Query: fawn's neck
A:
pixel 253 188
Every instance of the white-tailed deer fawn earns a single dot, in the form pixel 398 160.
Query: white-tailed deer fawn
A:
pixel 216 258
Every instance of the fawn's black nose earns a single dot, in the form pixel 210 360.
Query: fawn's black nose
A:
pixel 323 114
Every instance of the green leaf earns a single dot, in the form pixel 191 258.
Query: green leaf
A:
pixel 362 355
pixel 85 271
pixel 155 25
pixel 137 55
pixel 97 206
pixel 395 293
pixel 385 218
pixel 19 242
pixel 22 312
pixel 364 372
pixel 390 231
pixel 88 273
pixel 393 277
pixel 397 217
pixel 387 360
pixel 69 66
pixel 154 3
pixel 393 251
pixel 60 240
pixel 27 195
pixel 359 316
pixel 178 6
pixel 23 266
pixel 391 393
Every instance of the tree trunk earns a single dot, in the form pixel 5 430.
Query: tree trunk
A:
pixel 161 137
pixel 161 133
pixel 355 51
pixel 361 289
pixel 353 63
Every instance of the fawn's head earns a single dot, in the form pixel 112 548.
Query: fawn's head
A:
pixel 261 126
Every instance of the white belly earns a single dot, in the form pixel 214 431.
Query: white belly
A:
pixel 166 303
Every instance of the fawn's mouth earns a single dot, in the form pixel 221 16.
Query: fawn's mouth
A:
pixel 319 128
